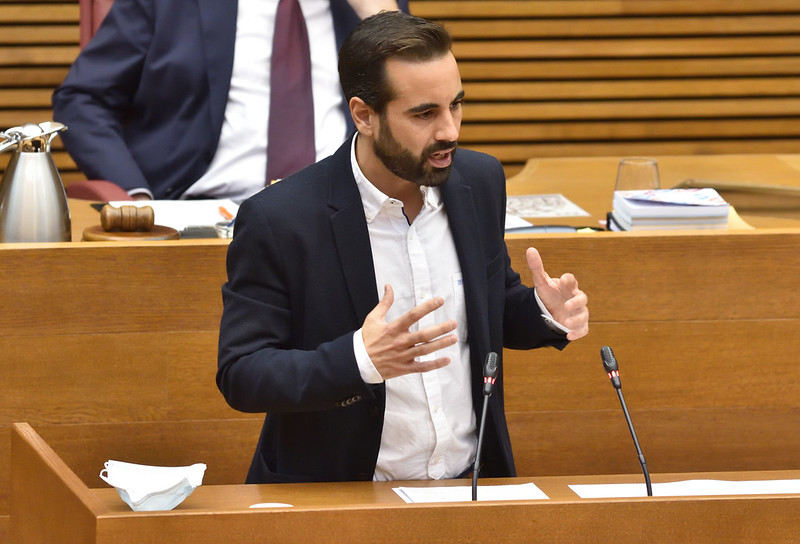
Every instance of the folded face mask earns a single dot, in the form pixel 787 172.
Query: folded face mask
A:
pixel 149 488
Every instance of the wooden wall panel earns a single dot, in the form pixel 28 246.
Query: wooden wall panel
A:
pixel 577 78
pixel 543 78
pixel 112 348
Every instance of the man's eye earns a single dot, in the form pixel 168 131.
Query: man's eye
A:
pixel 424 115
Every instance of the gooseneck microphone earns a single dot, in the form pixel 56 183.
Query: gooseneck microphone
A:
pixel 489 377
pixel 610 364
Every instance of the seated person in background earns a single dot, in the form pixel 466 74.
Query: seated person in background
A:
pixel 357 388
pixel 170 99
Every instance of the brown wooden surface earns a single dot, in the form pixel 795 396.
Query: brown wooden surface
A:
pixel 561 78
pixel 117 340
pixel 589 183
pixel 346 512
pixel 121 364
pixel 158 232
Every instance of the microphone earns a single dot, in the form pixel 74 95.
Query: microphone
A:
pixel 610 365
pixel 489 377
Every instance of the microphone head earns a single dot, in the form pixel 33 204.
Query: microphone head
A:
pixel 489 372
pixel 609 361
pixel 490 366
pixel 610 364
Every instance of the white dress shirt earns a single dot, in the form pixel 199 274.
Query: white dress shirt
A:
pixel 238 169
pixel 429 422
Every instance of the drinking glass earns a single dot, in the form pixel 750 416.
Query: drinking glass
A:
pixel 637 173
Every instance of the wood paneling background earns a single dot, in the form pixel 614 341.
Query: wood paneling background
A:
pixel 542 77
pixel 625 77
pixel 38 42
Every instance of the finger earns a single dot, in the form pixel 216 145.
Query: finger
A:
pixel 578 324
pixel 426 348
pixel 536 267
pixel 432 332
pixel 385 303
pixel 427 366
pixel 579 332
pixel 411 366
pixel 405 321
pixel 575 303
pixel 568 284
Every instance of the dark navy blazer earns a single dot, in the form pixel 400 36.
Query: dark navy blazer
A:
pixel 301 281
pixel 144 101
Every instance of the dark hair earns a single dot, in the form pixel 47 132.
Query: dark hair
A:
pixel 386 35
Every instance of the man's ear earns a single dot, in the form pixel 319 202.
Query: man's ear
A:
pixel 362 116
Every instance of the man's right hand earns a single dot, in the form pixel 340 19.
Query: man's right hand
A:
pixel 393 348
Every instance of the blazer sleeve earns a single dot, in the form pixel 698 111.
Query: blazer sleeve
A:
pixel 98 92
pixel 267 364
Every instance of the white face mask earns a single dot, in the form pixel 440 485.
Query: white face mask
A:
pixel 149 488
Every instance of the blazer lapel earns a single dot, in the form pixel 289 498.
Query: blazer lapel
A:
pixel 350 232
pixel 464 225
pixel 218 21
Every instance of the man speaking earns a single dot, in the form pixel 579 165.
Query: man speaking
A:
pixel 365 291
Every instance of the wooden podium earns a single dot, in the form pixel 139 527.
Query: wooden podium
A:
pixel 51 504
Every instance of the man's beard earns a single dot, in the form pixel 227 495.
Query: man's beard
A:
pixel 402 163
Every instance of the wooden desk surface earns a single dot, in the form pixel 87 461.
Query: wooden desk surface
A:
pixel 51 504
pixel 237 498
pixel 589 183
pixel 83 215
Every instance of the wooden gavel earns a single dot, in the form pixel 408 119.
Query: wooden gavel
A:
pixel 127 218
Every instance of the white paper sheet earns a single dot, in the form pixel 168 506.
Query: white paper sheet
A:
pixel 516 222
pixel 555 205
pixel 518 492
pixel 688 488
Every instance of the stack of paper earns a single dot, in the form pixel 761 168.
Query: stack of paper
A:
pixel 668 209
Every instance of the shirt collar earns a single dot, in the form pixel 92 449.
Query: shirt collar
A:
pixel 373 199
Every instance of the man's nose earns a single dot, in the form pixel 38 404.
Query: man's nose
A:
pixel 449 127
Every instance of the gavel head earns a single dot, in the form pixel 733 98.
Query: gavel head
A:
pixel 127 218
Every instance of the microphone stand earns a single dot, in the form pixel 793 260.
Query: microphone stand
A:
pixel 612 368
pixel 490 369
pixel 642 462
pixel 476 467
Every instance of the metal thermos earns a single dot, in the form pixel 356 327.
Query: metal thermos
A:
pixel 33 203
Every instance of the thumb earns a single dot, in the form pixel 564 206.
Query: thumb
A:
pixel 385 303
pixel 540 277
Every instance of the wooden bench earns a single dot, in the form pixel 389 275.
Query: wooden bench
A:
pixel 109 351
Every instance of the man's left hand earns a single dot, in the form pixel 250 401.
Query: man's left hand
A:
pixel 561 296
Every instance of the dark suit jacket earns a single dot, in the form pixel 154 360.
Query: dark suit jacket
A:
pixel 145 100
pixel 301 281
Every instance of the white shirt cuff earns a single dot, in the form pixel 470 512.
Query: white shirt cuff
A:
pixel 548 318
pixel 368 371
pixel 141 191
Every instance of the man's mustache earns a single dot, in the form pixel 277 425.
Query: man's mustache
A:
pixel 440 146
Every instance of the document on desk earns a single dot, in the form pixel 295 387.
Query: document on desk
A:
pixel 518 492
pixel 555 205
pixel 688 488
pixel 180 214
